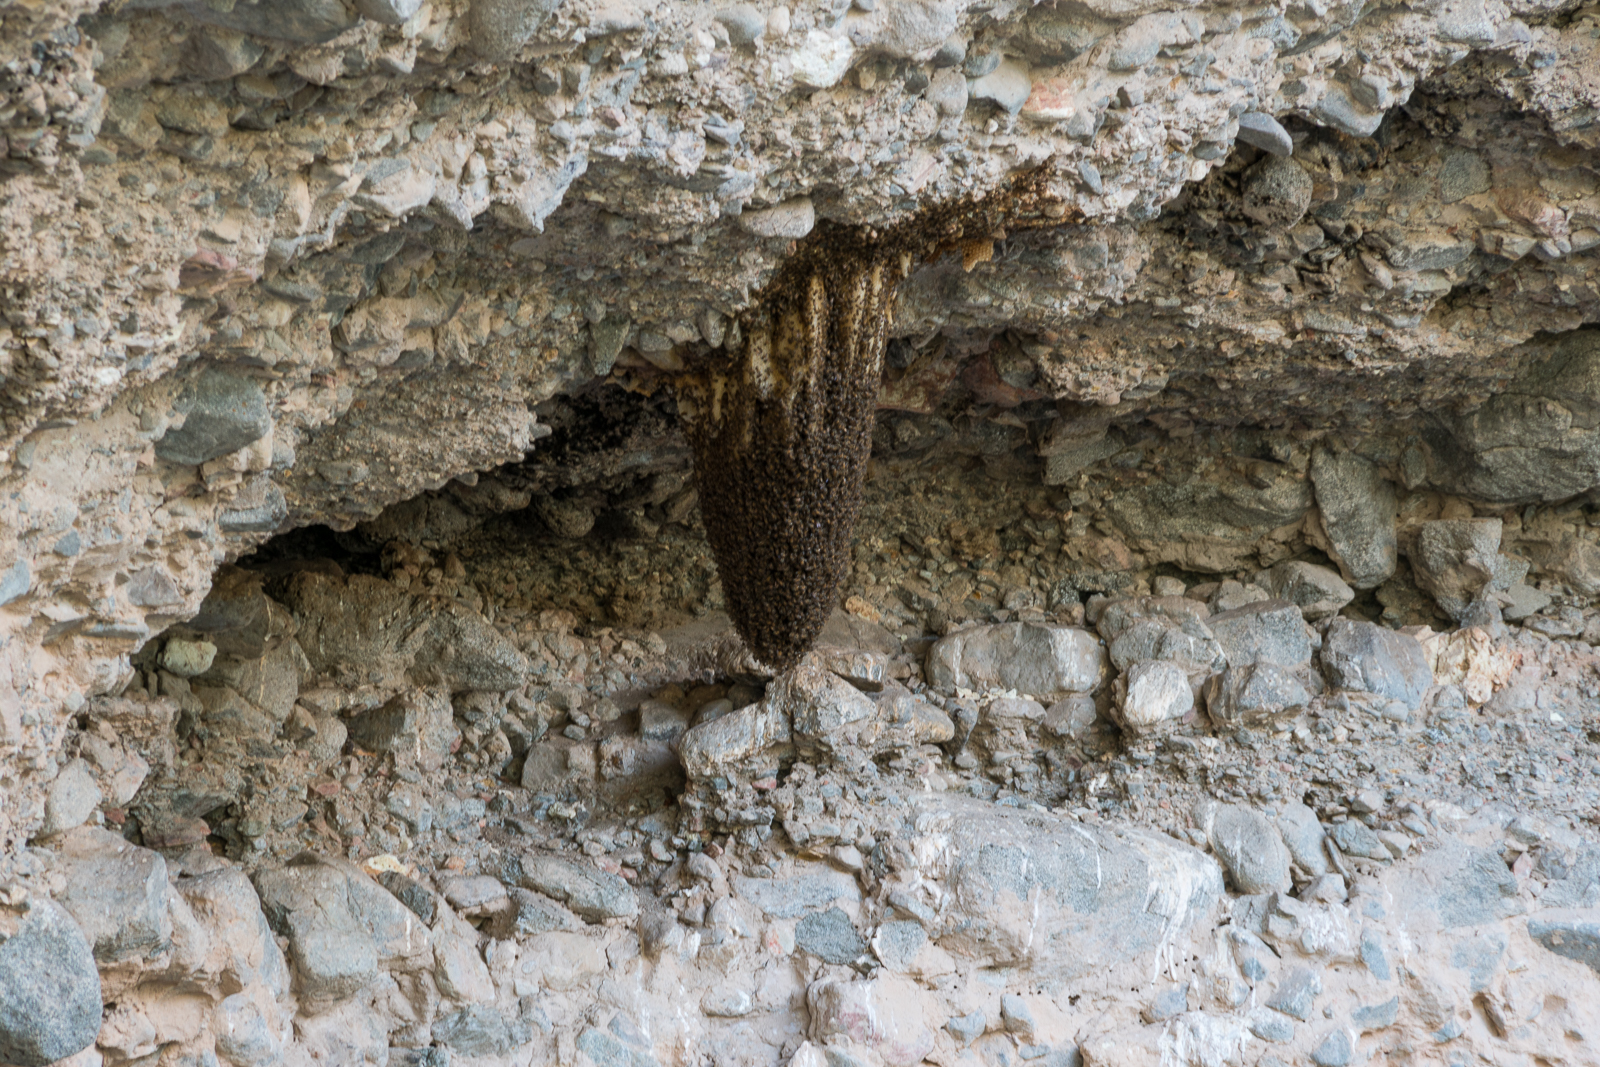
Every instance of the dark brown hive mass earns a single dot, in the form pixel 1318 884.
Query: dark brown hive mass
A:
pixel 782 428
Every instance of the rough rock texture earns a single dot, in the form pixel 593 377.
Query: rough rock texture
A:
pixel 1211 678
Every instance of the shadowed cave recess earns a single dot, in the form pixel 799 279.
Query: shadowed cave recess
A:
pixel 1159 446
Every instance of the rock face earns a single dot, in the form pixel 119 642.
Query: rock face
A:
pixel 248 320
pixel 1211 670
pixel 49 989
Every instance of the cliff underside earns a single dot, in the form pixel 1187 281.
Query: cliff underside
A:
pixel 1213 678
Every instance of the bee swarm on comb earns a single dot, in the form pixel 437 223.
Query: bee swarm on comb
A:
pixel 781 429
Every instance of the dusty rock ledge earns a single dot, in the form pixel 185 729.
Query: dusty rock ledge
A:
pixel 310 831
pixel 1214 680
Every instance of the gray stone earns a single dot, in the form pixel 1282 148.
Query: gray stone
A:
pixel 1277 192
pixel 588 891
pixel 432 1056
pixel 533 913
pixel 608 1049
pixel 829 935
pixel 1254 956
pixel 1455 559
pixel 1016 1016
pixel 1338 109
pixel 1007 86
pixel 792 219
pixel 411 894
pixel 1043 661
pixel 713 747
pixel 1210 523
pixel 70 545
pixel 1479 955
pixel 1261 130
pixel 1188 643
pixel 461 651
pixel 977 64
pixel 480 1030
pixel 341 926
pixel 947 91
pixel 744 23
pixel 1366 657
pixel 388 12
pixel 14 581
pixel 501 27
pixel 118 893
pixel 187 657
pixel 72 798
pixel 417 727
pixel 1578 885
pixel 1270 1026
pixel 898 942
pixel 790 898
pixel 1534 440
pixel 1091 178
pixel 967 1028
pixel 1119 616
pixel 1064 899
pixel 1297 993
pixel 819 703
pixel 223 412
pixel 1317 591
pixel 1167 1004
pixel 1521 602
pixel 1302 835
pixel 1249 848
pixel 473 894
pixel 1335 1050
pixel 1374 957
pixel 1430 250
pixel 215 53
pixel 606 340
pixel 1267 631
pixel 259 507
pixel 49 988
pixel 1072 716
pixel 301 21
pixel 1463 174
pixel 394 187
pixel 225 902
pixel 1253 695
pixel 1377 1016
pixel 1358 509
pixel 245 1037
pixel 915 29
pixel 1153 694
pixel 1136 46
pixel 660 721
pixel 1468 886
pixel 727 1004
pixel 1574 935
pixel 1355 839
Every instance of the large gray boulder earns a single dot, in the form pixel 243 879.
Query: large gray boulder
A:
pixel 352 621
pixel 224 411
pixel 342 927
pixel 1368 658
pixel 118 893
pixel 1267 631
pixel 1028 889
pixel 1358 508
pixel 1536 440
pixel 49 987
pixel 1043 661
pixel 1454 559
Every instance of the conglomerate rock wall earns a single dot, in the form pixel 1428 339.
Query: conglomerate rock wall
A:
pixel 1315 345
